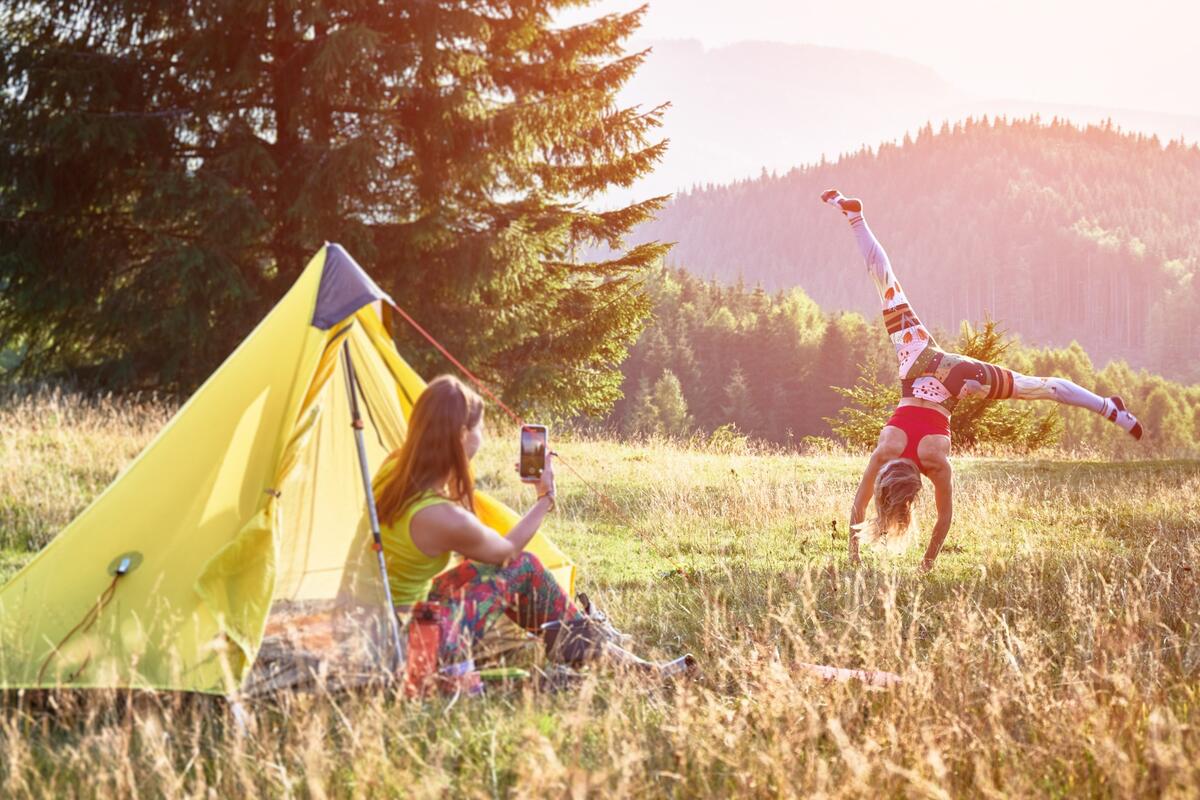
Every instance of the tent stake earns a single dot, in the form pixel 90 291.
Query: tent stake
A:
pixel 393 623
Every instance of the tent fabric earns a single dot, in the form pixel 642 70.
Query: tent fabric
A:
pixel 244 519
pixel 344 289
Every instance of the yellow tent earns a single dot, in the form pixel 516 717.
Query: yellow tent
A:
pixel 245 519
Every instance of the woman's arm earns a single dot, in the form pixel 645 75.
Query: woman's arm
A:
pixel 446 527
pixel 942 476
pixel 862 498
pixel 453 528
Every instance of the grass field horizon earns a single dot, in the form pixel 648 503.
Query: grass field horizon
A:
pixel 1053 651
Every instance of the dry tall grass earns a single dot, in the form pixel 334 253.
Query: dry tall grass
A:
pixel 1053 652
pixel 58 451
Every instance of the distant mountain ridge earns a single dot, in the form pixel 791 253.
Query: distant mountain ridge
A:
pixel 1061 233
pixel 738 109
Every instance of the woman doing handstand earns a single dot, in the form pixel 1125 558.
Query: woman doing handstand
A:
pixel 916 440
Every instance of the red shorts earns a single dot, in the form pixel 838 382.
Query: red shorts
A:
pixel 918 422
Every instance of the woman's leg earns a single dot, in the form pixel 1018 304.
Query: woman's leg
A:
pixel 1061 390
pixel 968 377
pixel 477 594
pixel 909 336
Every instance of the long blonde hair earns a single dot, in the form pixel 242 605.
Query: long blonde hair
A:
pixel 432 449
pixel 896 488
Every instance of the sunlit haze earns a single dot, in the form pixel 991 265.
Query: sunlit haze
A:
pixel 768 84
pixel 1092 52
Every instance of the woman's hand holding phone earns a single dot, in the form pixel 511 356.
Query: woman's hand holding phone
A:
pixel 545 483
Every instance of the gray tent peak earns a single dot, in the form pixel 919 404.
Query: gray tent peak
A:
pixel 345 288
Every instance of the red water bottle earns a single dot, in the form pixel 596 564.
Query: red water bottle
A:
pixel 424 641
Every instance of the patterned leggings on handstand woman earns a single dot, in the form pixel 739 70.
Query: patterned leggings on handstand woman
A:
pixel 929 373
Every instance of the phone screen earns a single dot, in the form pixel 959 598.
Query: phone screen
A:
pixel 533 451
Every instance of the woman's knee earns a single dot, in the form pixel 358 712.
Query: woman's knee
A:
pixel 525 560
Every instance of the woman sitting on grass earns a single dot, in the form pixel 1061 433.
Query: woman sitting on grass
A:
pixel 916 440
pixel 425 498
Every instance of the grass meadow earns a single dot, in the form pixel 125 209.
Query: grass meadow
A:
pixel 1054 650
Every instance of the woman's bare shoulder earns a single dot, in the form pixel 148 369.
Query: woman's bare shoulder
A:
pixel 436 528
pixel 440 515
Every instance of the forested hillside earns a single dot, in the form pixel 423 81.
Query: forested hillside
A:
pixel 1061 233
pixel 771 364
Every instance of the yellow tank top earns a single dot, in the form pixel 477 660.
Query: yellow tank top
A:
pixel 410 572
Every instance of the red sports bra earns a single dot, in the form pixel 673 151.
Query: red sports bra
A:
pixel 918 422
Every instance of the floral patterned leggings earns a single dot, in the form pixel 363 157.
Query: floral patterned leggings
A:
pixel 476 594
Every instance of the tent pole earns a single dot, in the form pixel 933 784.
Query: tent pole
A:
pixel 377 544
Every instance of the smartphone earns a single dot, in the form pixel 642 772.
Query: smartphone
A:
pixel 534 443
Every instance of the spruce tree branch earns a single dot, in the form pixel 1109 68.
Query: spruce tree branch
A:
pixel 166 112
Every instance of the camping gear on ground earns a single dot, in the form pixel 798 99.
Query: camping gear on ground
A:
pixel 422 674
pixel 244 525
pixel 424 644
pixel 501 674
pixel 461 677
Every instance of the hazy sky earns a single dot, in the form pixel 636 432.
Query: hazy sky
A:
pixel 1142 54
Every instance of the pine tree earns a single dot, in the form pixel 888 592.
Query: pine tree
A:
pixel 674 420
pixel 643 418
pixel 169 168
pixel 1165 418
pixel 739 406
pixel 778 425
pixel 870 405
pixel 1021 426
pixel 683 359
pixel 657 351
pixel 504 241
pixel 833 364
